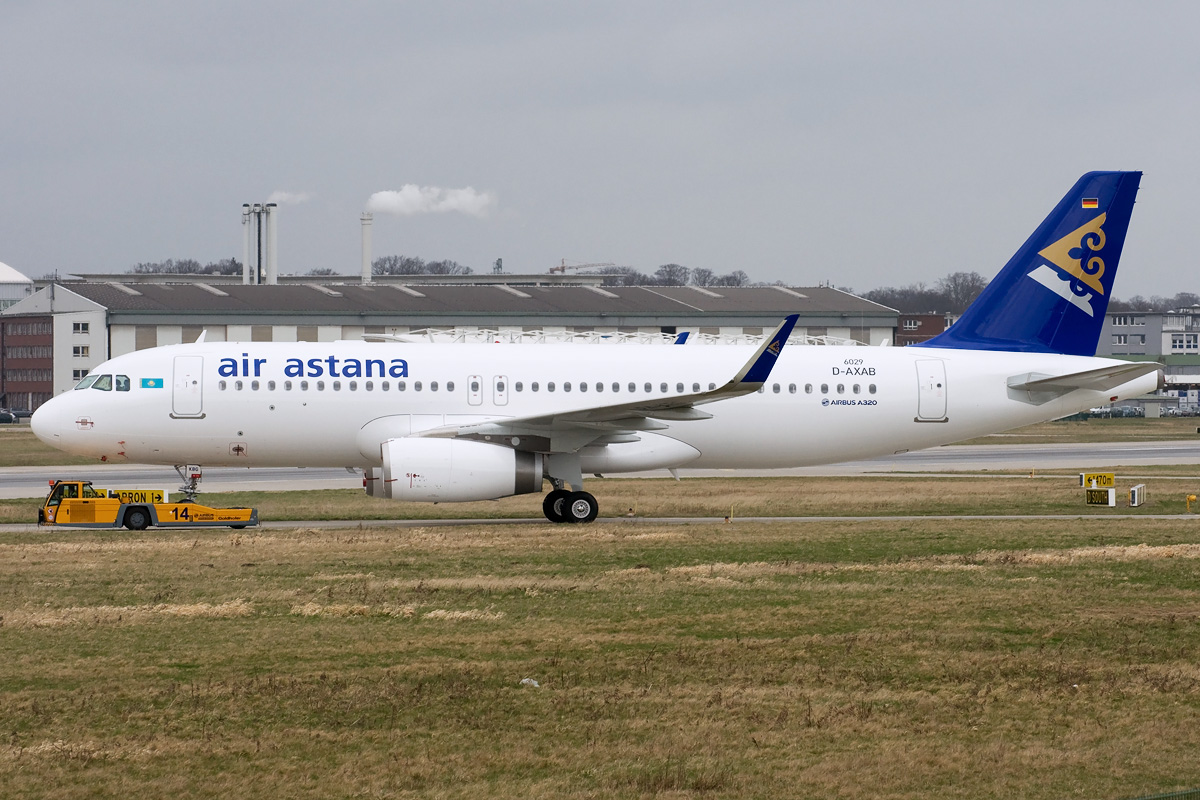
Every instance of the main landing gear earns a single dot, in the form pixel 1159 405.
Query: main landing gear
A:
pixel 561 504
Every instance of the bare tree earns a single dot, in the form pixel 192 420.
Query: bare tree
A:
pixel 672 275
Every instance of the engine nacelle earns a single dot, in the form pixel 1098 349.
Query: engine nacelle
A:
pixel 453 471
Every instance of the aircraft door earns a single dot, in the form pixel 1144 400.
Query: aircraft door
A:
pixel 187 398
pixel 931 390
pixel 474 390
pixel 500 390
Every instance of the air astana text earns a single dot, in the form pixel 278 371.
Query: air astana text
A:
pixel 333 366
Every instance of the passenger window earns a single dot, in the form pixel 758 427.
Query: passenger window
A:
pixel 791 388
pixel 824 388
pixel 663 387
pixel 369 385
pixel 122 383
pixel 337 386
pixel 775 388
pixel 695 387
pixel 221 385
pixel 254 385
pixel 871 388
pixel 353 385
pixel 449 386
pixel 400 386
pixel 385 386
pixel 518 386
pixel 287 386
pixel 583 386
pixel 550 386
pixel 841 389
pixel 237 385
pixel 712 387
pixel 857 388
pixel 599 386
pixel 416 386
pixel 616 386
pixel 762 389
pixel 320 386
pixel 808 388
pixel 567 386
pixel 474 386
pixel 103 383
pixel 304 386
pixel 433 386
pixel 647 389
pixel 679 388
pixel 271 385
pixel 533 387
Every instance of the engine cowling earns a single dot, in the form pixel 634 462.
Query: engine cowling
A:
pixel 453 471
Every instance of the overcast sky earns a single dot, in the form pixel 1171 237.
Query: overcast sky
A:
pixel 864 144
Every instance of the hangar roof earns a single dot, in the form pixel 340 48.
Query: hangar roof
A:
pixel 487 300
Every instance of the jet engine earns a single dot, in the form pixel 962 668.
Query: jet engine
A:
pixel 452 471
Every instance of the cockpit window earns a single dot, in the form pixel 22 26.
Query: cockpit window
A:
pixel 87 382
pixel 122 383
pixel 103 383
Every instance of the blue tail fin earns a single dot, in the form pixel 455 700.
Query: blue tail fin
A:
pixel 1051 296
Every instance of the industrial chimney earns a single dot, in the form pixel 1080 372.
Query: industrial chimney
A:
pixel 366 218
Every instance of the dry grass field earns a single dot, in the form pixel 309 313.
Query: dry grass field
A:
pixel 1001 658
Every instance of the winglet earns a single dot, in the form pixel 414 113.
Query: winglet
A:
pixel 758 369
pixel 681 338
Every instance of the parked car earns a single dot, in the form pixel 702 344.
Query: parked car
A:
pixel 7 416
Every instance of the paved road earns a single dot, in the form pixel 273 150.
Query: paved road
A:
pixel 333 524
pixel 33 481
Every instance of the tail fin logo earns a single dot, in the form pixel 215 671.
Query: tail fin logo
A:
pixel 1079 265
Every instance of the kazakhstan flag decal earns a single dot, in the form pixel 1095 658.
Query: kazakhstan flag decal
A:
pixel 152 383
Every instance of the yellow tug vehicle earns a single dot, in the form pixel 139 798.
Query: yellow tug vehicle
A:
pixel 76 504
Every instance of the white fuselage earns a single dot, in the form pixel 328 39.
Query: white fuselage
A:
pixel 334 403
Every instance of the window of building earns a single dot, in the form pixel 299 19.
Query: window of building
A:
pixel 80 327
pixel 1176 341
pixel 145 337
pixel 78 374
pixel 81 351
pixel 911 324
pixel 1120 338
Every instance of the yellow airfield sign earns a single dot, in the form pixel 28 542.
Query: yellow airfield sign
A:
pixel 1098 480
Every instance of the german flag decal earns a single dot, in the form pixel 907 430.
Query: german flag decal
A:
pixel 1091 202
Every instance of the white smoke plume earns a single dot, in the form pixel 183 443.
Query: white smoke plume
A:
pixel 289 198
pixel 413 199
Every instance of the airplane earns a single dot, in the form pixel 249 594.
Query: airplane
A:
pixel 461 422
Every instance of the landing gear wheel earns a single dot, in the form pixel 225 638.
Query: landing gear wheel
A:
pixel 137 519
pixel 581 507
pixel 555 505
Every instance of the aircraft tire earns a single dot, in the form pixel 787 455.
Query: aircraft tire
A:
pixel 137 519
pixel 581 507
pixel 555 505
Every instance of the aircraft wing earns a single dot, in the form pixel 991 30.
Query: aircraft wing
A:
pixel 1043 388
pixel 567 431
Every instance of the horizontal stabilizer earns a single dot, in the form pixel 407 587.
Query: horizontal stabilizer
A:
pixel 1043 388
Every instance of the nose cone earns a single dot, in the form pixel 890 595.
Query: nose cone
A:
pixel 48 422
